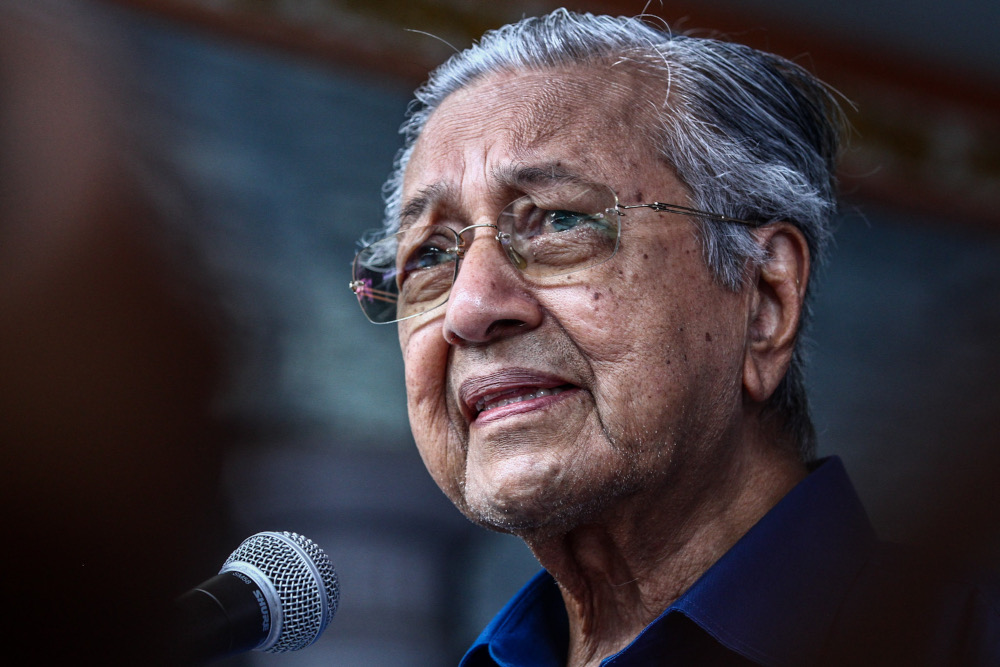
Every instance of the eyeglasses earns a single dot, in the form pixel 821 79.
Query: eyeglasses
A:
pixel 563 229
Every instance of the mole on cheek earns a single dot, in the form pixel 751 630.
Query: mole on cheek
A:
pixel 597 296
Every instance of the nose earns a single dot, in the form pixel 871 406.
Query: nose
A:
pixel 490 299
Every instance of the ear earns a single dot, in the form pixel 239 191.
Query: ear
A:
pixel 776 303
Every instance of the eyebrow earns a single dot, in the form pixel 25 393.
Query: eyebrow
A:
pixel 520 176
pixel 505 177
pixel 424 199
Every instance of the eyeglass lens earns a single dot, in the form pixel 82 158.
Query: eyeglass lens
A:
pixel 559 230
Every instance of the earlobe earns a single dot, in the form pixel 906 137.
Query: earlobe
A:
pixel 775 309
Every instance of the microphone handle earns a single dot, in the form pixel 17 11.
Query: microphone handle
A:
pixel 226 614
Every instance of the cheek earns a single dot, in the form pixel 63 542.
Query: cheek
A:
pixel 654 329
pixel 425 357
pixel 621 320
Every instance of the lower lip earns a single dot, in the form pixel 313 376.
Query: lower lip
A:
pixel 521 407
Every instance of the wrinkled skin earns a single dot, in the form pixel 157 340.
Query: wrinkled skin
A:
pixel 649 452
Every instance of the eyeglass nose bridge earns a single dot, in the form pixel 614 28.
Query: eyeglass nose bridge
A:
pixel 501 237
pixel 460 247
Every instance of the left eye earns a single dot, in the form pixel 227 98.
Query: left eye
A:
pixel 562 221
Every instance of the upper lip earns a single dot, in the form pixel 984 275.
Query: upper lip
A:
pixel 474 389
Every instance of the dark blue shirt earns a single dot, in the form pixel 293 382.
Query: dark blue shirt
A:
pixel 809 584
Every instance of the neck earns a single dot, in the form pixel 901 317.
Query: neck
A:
pixel 623 568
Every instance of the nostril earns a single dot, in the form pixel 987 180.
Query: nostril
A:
pixel 500 326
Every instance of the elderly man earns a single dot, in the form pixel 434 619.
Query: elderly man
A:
pixel 600 241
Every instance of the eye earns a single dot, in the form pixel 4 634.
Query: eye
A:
pixel 422 250
pixel 427 256
pixel 568 210
pixel 529 221
pixel 561 221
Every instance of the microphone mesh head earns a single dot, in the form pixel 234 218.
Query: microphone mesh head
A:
pixel 304 580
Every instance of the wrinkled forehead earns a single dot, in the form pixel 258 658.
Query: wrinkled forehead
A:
pixel 598 119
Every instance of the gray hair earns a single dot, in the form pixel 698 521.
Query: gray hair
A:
pixel 752 136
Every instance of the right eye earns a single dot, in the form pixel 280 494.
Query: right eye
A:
pixel 426 251
pixel 427 256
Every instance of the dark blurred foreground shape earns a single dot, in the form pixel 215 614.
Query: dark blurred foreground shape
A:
pixel 107 363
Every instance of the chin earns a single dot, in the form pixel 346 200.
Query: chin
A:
pixel 540 514
pixel 506 518
pixel 536 495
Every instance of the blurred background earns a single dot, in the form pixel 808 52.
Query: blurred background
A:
pixel 182 363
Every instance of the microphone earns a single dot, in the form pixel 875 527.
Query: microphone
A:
pixel 277 592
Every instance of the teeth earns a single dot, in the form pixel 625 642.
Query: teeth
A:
pixel 488 403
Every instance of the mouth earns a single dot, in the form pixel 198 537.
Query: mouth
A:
pixel 505 398
pixel 509 391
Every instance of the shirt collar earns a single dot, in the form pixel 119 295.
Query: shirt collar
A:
pixel 771 598
pixel 532 630
pixel 774 595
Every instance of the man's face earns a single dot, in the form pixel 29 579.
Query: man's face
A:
pixel 542 404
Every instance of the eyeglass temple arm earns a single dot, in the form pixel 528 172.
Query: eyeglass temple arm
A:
pixel 684 210
pixel 362 290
